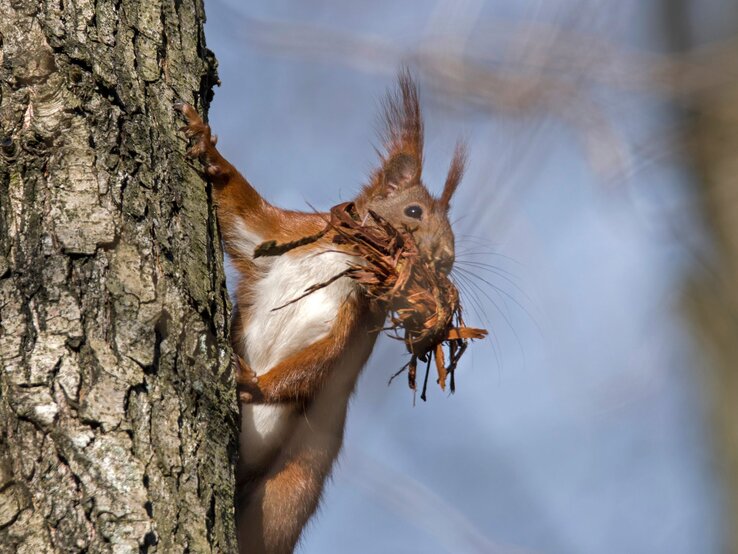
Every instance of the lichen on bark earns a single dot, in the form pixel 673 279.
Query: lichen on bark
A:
pixel 117 410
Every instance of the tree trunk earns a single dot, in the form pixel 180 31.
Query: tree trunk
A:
pixel 713 298
pixel 117 411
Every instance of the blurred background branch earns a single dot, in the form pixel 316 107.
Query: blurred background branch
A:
pixel 526 70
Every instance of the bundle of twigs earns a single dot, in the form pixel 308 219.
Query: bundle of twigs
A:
pixel 423 305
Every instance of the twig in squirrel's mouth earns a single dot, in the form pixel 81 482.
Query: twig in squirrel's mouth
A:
pixel 420 301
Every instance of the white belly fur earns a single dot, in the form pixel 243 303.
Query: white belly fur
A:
pixel 272 335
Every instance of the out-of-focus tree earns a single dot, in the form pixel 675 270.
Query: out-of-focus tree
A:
pixel 711 137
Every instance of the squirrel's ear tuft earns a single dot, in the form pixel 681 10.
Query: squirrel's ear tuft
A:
pixel 401 136
pixel 402 122
pixel 455 173
pixel 399 172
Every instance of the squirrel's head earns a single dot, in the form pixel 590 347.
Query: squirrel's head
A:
pixel 396 190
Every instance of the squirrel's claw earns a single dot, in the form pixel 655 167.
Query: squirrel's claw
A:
pixel 202 141
pixel 247 380
pixel 187 110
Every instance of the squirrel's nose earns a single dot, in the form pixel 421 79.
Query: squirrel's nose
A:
pixel 444 260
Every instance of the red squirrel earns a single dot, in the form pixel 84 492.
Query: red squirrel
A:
pixel 299 364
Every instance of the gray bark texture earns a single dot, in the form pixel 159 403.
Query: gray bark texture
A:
pixel 118 414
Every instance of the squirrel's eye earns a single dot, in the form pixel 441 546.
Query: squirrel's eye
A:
pixel 414 211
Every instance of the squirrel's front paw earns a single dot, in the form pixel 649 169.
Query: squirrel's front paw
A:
pixel 203 142
pixel 247 381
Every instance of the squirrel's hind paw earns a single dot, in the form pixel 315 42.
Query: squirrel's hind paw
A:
pixel 247 381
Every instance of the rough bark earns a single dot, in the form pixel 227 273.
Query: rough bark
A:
pixel 117 410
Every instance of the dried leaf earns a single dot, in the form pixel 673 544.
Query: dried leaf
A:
pixel 423 305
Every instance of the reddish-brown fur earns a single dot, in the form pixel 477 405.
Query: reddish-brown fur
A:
pixel 281 501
